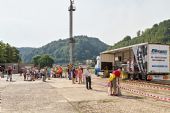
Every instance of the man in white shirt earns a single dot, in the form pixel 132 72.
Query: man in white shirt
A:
pixel 87 74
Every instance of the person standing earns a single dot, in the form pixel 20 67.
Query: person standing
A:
pixel 73 75
pixel 69 71
pixel 25 73
pixel 76 73
pixel 48 72
pixel 1 72
pixel 9 72
pixel 60 72
pixel 65 72
pixel 44 74
pixel 80 72
pixel 113 84
pixel 117 82
pixel 28 74
pixel 87 74
pixel 32 74
pixel 110 84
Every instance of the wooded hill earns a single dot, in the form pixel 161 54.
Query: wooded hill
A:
pixel 159 33
pixel 8 54
pixel 85 48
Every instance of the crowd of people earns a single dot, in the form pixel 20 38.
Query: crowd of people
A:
pixel 75 74
pixel 31 74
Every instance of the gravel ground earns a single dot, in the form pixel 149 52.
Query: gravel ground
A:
pixel 124 104
pixel 128 103
pixel 61 96
pixel 32 97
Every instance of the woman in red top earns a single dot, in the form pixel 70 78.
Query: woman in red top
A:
pixel 80 74
pixel 60 71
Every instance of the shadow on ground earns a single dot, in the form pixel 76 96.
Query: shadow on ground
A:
pixel 131 97
pixel 98 90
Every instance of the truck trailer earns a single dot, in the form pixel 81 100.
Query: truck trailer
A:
pixel 146 61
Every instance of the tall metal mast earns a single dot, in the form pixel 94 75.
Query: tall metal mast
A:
pixel 71 41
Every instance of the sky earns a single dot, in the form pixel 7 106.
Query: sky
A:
pixel 34 23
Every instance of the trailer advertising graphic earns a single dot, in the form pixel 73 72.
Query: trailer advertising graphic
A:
pixel 158 58
pixel 140 53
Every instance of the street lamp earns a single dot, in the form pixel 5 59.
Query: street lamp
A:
pixel 71 41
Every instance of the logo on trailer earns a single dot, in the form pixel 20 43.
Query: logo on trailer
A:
pixel 156 51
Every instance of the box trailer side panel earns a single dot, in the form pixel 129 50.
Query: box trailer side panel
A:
pixel 107 57
pixel 140 53
pixel 158 58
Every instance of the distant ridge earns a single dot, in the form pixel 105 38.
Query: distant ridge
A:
pixel 85 48
pixel 159 33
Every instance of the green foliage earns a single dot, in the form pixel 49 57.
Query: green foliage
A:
pixel 46 60
pixel 43 61
pixel 125 42
pixel 8 54
pixel 85 48
pixel 35 60
pixel 127 38
pixel 159 33
pixel 2 52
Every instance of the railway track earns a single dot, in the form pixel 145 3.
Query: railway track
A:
pixel 153 90
pixel 147 94
pixel 155 83
pixel 148 85
pixel 156 91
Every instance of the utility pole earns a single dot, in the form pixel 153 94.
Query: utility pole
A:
pixel 71 41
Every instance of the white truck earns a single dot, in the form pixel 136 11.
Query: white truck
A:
pixel 141 61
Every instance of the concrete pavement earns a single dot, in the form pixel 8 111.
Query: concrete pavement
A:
pixel 61 96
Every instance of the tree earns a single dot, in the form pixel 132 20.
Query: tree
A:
pixel 8 54
pixel 2 52
pixel 35 60
pixel 127 38
pixel 15 55
pixel 46 60
pixel 43 61
pixel 159 33
pixel 155 25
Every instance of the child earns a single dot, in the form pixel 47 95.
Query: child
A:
pixel 109 84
